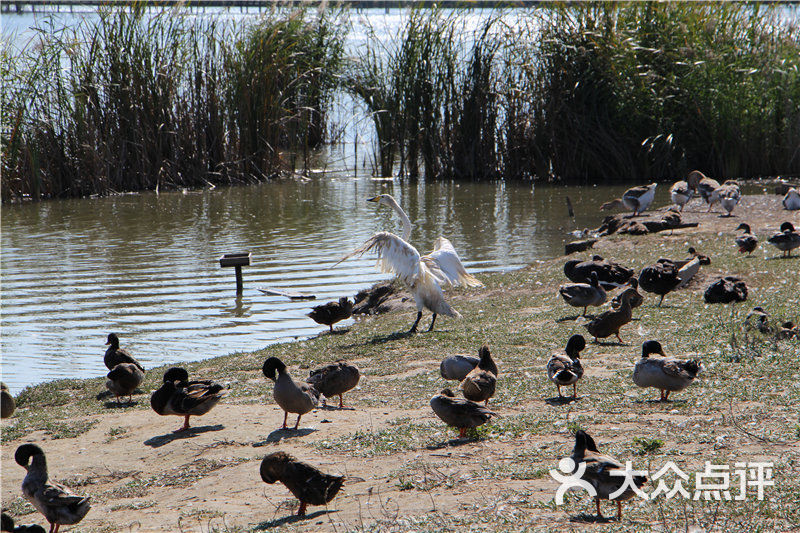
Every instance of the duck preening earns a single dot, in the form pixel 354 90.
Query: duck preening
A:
pixel 567 369
pixel 791 201
pixel 123 379
pixel 680 193
pixel 609 273
pixel 667 374
pixel 181 397
pixel 632 292
pixel 786 240
pixel 610 322
pixel 462 414
pixel 9 525
pixel 704 185
pixel 637 199
pixel 660 278
pixel 116 355
pixel 584 294
pixel 292 396
pixel 308 484
pixel 334 379
pixel 747 242
pixel 7 403
pixel 727 194
pixel 604 473
pixel 479 384
pixel 59 505
pixel 729 289
pixel 332 312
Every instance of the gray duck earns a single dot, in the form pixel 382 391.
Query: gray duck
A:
pixel 610 322
pixel 292 396
pixel 332 312
pixel 584 294
pixel 334 379
pixel 181 397
pixel 462 414
pixel 598 471
pixel 704 185
pixel 457 366
pixel 59 505
pixel 787 240
pixel 567 369
pixel 667 374
pixel 308 484
pixel 479 385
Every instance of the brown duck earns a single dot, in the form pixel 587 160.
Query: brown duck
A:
pixel 480 383
pixel 332 312
pixel 181 397
pixel 610 322
pixel 307 483
pixel 636 297
pixel 123 380
pixel 459 413
pixel 116 355
pixel 335 379
pixel 7 403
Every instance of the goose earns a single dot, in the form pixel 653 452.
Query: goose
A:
pixel 332 312
pixel 728 194
pixel 787 240
pixel 116 355
pixel 290 395
pixel 726 290
pixel 424 275
pixel 791 201
pixel 462 414
pixel 307 483
pixel 609 273
pixel 747 242
pixel 181 397
pixel 7 403
pixel 123 380
pixel 480 383
pixel 660 278
pixel 637 199
pixel 610 322
pixel 705 186
pixel 636 299
pixel 8 525
pixel 457 366
pixel 567 369
pixel 667 375
pixel 680 193
pixel 584 294
pixel 59 505
pixel 334 379
pixel 599 472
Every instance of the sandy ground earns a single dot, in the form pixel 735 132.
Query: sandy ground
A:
pixel 145 477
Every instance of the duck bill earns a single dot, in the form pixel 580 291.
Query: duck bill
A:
pixel 661 353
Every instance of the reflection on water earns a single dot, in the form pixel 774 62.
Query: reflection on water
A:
pixel 146 265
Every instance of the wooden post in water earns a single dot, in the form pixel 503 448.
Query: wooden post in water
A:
pixel 237 261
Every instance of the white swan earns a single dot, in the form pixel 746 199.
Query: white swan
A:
pixel 425 274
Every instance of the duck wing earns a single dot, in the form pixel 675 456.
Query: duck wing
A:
pixel 115 356
pixel 680 369
pixel 60 501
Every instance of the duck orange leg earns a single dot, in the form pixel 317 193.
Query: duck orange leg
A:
pixel 185 423
pixel 341 401
pixel 618 337
pixel 619 509
pixel 559 390
pixel 463 433
pixel 298 421
pixel 574 390
pixel 285 414
pixel 302 510
pixel 597 504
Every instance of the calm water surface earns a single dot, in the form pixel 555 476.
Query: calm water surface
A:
pixel 146 265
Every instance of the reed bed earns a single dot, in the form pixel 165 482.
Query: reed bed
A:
pixel 594 93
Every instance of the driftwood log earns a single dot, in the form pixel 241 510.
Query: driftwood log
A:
pixel 625 224
pixel 578 246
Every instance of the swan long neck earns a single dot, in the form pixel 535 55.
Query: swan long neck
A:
pixel 403 217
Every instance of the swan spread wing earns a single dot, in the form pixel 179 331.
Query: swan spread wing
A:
pixel 394 255
pixel 446 266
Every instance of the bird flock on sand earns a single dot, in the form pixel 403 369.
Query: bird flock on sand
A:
pixel 426 276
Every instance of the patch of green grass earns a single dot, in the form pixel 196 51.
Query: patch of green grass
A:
pixel 19 506
pixel 68 430
pixel 644 446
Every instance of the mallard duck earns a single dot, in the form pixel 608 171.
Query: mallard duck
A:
pixel 307 483
pixel 7 403
pixel 290 395
pixel 788 330
pixel 457 366
pixel 334 379
pixel 116 355
pixel 747 242
pixel 792 200
pixel 632 292
pixel 181 397
pixel 462 414
pixel 726 290
pixel 610 322
pixel 600 472
pixel 660 278
pixel 8 525
pixel 567 369
pixel 123 380
pixel 668 374
pixel 727 194
pixel 637 199
pixel 787 240
pixel 584 294
pixel 480 383
pixel 332 312
pixel 59 505
pixel 705 186
pixel 609 273
pixel 680 193
pixel 757 319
